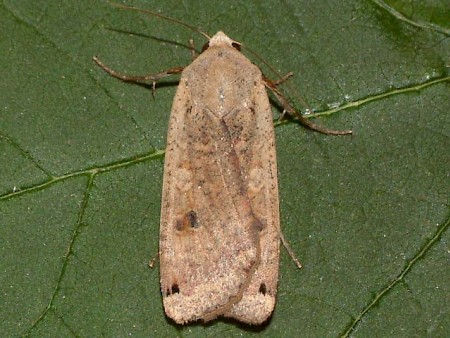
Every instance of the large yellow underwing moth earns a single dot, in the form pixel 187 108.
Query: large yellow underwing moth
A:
pixel 219 231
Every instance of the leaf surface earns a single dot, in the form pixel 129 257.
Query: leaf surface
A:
pixel 81 165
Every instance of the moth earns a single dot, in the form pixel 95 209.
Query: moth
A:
pixel 220 224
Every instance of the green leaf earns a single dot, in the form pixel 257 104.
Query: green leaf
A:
pixel 81 160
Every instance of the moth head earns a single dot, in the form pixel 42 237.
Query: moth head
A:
pixel 221 39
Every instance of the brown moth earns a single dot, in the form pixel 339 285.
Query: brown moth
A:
pixel 220 228
pixel 219 233
pixel 219 241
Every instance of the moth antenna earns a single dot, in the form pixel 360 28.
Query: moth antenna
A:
pixel 299 97
pixel 146 11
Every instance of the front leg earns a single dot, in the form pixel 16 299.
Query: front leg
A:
pixel 298 116
pixel 130 78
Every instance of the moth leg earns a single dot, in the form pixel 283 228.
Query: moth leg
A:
pixel 152 261
pixel 192 48
pixel 300 118
pixel 290 251
pixel 130 78
pixel 280 81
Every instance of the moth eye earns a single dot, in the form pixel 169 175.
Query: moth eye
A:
pixel 262 289
pixel 236 46
pixel 205 47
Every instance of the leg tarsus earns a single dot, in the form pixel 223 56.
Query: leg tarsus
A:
pixel 280 81
pixel 290 251
pixel 192 48
pixel 294 113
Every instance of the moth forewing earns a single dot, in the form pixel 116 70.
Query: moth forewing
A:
pixel 219 243
pixel 259 157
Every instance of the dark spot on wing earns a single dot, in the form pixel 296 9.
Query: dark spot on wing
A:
pixel 192 219
pixel 262 289
pixel 189 221
pixel 174 289
pixel 258 225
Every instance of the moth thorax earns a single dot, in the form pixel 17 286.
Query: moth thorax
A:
pixel 221 39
